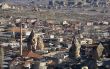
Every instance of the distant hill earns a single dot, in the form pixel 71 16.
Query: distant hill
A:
pixel 27 1
pixel 1 1
pixel 18 1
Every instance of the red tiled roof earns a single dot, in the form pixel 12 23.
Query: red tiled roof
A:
pixel 16 29
pixel 31 54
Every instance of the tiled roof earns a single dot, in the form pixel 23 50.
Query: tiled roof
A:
pixel 31 54
pixel 16 29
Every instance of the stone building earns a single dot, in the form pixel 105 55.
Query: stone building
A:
pixel 6 6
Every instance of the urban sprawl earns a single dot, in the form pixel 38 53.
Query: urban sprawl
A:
pixel 55 34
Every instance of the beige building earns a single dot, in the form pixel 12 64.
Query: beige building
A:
pixel 2 21
pixel 6 6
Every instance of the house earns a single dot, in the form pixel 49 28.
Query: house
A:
pixel 6 6
pixel 39 65
pixel 89 23
pixel 84 67
pixel 2 21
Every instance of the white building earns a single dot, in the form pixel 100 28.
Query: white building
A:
pixel 6 6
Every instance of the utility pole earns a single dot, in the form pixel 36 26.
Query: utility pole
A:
pixel 1 57
pixel 21 48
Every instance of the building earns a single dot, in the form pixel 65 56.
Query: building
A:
pixel 39 65
pixel 2 21
pixel 6 6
